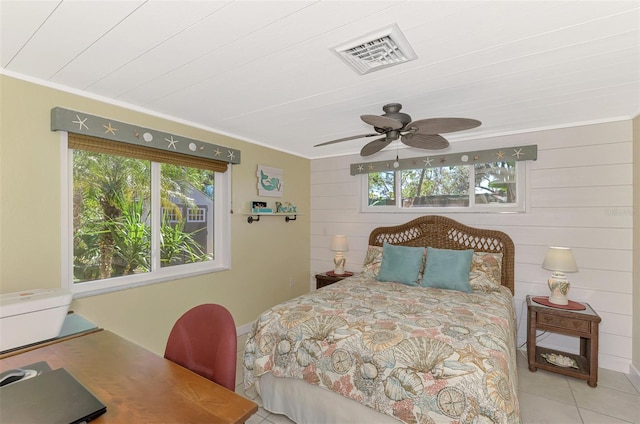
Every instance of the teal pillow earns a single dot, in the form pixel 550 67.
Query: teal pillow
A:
pixel 400 264
pixel 448 269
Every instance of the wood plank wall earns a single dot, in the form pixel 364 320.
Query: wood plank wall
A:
pixel 579 194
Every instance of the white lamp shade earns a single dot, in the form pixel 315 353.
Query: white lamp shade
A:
pixel 339 243
pixel 560 259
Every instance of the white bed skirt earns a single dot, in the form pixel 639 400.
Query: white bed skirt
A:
pixel 305 403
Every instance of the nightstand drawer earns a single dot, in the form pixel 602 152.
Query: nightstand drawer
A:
pixel 577 325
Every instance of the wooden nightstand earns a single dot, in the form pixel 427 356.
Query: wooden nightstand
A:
pixel 325 279
pixel 583 324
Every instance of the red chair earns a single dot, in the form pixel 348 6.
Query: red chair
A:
pixel 204 340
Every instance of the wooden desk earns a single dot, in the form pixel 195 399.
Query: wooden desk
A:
pixel 137 385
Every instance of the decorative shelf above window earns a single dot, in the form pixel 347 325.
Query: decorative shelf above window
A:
pixel 255 217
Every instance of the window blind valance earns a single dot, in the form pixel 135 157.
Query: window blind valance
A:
pixel 100 145
pixel 109 136
pixel 505 154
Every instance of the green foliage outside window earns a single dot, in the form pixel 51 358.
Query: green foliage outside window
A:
pixel 446 186
pixel 112 215
pixel 495 182
pixel 382 188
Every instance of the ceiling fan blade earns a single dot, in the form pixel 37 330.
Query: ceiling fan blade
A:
pixel 443 125
pixel 382 122
pixel 375 146
pixel 425 141
pixel 353 137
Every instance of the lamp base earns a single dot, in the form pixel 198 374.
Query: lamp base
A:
pixel 558 300
pixel 339 261
pixel 559 287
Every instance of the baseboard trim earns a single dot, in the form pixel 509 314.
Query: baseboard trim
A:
pixel 244 329
pixel 634 377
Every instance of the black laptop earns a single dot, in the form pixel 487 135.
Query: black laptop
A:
pixel 51 397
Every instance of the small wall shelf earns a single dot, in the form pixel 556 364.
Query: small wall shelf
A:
pixel 255 217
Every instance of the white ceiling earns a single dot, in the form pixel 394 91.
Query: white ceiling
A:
pixel 263 71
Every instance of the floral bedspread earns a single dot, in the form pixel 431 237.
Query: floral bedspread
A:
pixel 421 355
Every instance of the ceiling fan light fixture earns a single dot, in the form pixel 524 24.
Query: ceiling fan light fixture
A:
pixel 421 134
pixel 377 50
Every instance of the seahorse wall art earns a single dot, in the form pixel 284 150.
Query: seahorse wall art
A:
pixel 270 181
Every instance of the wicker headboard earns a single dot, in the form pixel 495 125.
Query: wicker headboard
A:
pixel 445 233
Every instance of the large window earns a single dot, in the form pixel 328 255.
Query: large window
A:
pixel 495 186
pixel 133 221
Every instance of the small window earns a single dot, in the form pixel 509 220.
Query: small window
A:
pixel 196 214
pixel 494 186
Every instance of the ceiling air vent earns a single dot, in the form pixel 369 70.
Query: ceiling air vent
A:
pixel 376 50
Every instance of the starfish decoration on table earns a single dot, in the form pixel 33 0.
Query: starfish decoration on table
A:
pixel 80 122
pixel 109 129
pixel 172 142
pixel 470 355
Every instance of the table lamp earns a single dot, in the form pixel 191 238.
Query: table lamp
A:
pixel 559 260
pixel 339 245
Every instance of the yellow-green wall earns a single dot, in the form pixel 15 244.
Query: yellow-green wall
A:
pixel 265 255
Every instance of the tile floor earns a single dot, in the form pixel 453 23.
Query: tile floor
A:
pixel 544 397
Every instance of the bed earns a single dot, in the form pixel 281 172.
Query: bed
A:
pixel 390 346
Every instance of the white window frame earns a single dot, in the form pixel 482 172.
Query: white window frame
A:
pixel 522 170
pixel 221 223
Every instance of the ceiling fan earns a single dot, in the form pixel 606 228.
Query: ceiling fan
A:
pixel 423 134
